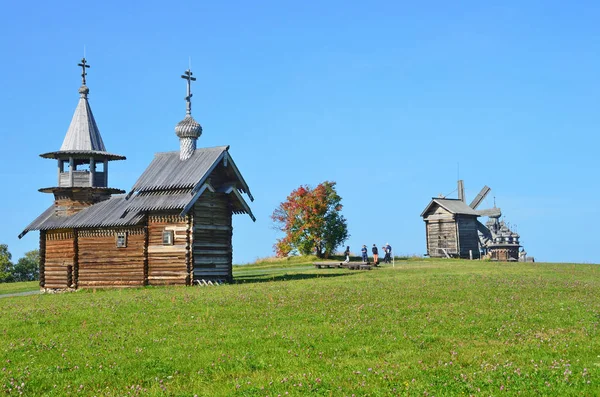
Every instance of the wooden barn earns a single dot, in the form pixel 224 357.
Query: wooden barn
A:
pixel 451 229
pixel 173 227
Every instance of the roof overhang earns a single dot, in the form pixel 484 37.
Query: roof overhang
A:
pixel 82 154
pixel 440 202
pixel 57 189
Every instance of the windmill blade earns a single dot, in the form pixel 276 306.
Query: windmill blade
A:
pixel 461 191
pixel 479 198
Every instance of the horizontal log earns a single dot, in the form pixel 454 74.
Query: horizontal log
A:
pixel 200 274
pixel 198 251
pixel 166 248
pixel 110 282
pixel 209 245
pixel 212 227
pixel 215 260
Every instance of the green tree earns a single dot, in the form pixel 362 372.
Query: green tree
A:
pixel 27 267
pixel 5 264
pixel 311 221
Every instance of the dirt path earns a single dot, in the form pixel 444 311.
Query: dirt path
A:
pixel 20 294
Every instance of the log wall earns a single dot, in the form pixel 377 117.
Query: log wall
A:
pixel 102 264
pixel 212 249
pixel 468 237
pixel 168 264
pixel 59 259
pixel 67 203
pixel 441 233
pixel 42 257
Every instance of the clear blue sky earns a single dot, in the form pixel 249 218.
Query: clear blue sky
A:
pixel 383 97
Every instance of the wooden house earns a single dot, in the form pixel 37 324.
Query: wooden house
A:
pixel 451 229
pixel 173 227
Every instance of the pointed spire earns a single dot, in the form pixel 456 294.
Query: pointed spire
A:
pixel 83 133
pixel 188 130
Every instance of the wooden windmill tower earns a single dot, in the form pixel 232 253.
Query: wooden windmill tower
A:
pixel 452 227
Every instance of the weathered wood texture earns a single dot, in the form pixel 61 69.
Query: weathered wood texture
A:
pixel 441 236
pixel 102 264
pixel 167 264
pixel 42 257
pixel 212 249
pixel 59 259
pixel 327 265
pixel 450 233
pixel 504 253
pixel 468 237
pixel 70 202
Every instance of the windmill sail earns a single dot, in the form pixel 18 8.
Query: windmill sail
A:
pixel 480 197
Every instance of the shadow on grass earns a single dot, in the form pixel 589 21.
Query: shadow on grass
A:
pixel 265 277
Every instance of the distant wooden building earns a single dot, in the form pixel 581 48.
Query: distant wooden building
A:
pixel 173 227
pixel 451 229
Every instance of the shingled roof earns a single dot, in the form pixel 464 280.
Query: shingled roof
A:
pixel 83 136
pixel 110 212
pixel 454 206
pixel 167 171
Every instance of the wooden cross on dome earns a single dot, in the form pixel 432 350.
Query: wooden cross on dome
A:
pixel 188 76
pixel 83 65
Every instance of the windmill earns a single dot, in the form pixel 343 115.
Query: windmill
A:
pixel 490 229
pixel 453 229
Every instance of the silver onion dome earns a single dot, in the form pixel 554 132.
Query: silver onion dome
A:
pixel 188 128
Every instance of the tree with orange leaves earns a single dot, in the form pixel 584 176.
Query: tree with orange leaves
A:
pixel 311 220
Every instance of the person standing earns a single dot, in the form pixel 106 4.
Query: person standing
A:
pixel 375 254
pixel 388 252
pixel 385 254
pixel 363 250
pixel 347 253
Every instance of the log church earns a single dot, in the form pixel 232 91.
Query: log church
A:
pixel 173 227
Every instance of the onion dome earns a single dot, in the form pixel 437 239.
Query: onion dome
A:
pixel 188 128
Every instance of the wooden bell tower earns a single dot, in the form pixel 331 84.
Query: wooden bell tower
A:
pixel 82 160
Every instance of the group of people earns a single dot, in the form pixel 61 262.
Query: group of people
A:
pixel 387 249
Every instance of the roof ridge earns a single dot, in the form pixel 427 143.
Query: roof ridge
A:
pixel 222 147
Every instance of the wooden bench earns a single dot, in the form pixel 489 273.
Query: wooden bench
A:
pixel 327 265
pixel 358 265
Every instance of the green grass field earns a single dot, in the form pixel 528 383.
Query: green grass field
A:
pixel 12 288
pixel 422 328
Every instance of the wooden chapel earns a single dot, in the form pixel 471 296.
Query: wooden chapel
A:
pixel 173 227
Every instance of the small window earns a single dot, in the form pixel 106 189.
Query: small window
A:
pixel 168 237
pixel 121 240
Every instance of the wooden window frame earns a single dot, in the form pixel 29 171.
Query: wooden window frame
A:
pixel 170 240
pixel 117 236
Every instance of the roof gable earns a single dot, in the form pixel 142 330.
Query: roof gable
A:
pixel 453 206
pixel 167 171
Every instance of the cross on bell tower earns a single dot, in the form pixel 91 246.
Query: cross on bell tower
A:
pixel 187 75
pixel 82 160
pixel 84 66
pixel 188 130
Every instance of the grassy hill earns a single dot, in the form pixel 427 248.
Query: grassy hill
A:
pixel 422 328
